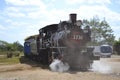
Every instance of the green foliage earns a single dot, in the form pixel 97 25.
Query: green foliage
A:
pixel 101 31
pixel 16 46
pixel 14 53
pixel 3 45
pixel 117 47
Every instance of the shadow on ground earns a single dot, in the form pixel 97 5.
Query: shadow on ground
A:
pixel 34 64
pixel 24 60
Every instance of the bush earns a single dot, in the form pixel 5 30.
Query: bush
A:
pixel 16 53
pixel 9 55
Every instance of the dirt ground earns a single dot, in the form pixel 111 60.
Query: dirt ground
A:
pixel 105 69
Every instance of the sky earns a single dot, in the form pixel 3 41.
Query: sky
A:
pixel 22 18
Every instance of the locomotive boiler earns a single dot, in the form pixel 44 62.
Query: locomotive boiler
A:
pixel 65 41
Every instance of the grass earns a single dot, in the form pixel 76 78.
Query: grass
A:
pixel 13 60
pixel 3 52
pixel 13 52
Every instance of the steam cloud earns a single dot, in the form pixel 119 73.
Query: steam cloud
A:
pixel 98 66
pixel 59 66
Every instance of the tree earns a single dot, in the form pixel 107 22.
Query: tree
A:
pixel 3 45
pixel 101 31
pixel 17 46
pixel 9 47
pixel 117 47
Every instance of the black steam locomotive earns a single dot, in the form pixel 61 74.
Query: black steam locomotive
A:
pixel 65 41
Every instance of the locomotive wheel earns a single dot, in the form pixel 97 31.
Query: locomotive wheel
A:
pixel 44 57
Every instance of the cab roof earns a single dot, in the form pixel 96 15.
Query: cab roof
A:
pixel 31 37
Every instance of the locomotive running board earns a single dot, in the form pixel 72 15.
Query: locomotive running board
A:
pixel 53 47
pixel 58 47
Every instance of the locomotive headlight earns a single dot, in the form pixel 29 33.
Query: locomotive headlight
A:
pixel 79 23
pixel 85 30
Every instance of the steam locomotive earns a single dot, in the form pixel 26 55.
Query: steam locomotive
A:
pixel 65 41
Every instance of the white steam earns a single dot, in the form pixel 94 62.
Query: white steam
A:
pixel 98 66
pixel 59 66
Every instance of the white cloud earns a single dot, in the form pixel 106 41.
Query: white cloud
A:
pixel 13 14
pixel 116 28
pixel 36 14
pixel 25 8
pixel 101 11
pixel 25 2
pixel 88 1
pixel 12 9
pixel 2 27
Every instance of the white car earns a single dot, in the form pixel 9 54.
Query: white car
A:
pixel 103 50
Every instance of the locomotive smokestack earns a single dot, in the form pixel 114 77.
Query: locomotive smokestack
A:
pixel 73 17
